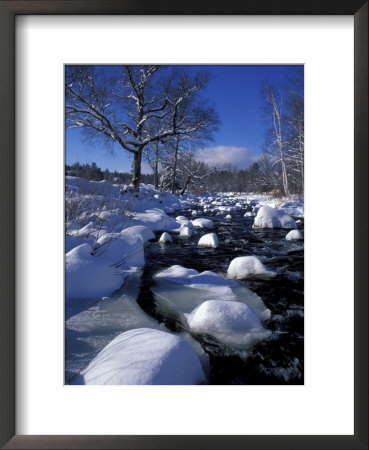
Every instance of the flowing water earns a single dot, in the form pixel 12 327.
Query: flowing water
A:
pixel 279 359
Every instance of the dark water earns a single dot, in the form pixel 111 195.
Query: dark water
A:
pixel 280 358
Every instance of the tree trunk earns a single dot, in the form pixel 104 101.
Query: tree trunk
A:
pixel 285 177
pixel 156 169
pixel 136 170
pixel 185 186
pixel 175 158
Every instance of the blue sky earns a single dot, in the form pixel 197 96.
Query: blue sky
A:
pixel 235 92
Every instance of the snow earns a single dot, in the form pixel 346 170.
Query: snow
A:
pixel 87 276
pixel 180 290
pixel 144 233
pixel 228 216
pixel 165 237
pixel 182 220
pixel 94 272
pixel 244 267
pixel 155 219
pixel 294 235
pixel 268 217
pixel 144 356
pixel 209 240
pixel 231 322
pixel 120 249
pixel 203 223
pixel 181 275
pixel 186 231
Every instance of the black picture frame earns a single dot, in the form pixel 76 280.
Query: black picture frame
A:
pixel 8 11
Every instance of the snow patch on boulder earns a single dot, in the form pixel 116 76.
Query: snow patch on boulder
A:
pixel 165 237
pixel 144 356
pixel 144 233
pixel 180 290
pixel 88 276
pixel 268 217
pixel 248 267
pixel 185 231
pixel 294 235
pixel 203 223
pixel 181 275
pixel 155 219
pixel 230 322
pixel 209 240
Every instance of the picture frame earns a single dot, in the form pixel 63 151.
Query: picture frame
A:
pixel 8 11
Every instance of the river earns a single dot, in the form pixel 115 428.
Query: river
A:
pixel 279 359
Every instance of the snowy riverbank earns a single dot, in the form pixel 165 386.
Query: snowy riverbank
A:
pixel 107 228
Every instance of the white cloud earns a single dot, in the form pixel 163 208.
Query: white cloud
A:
pixel 239 157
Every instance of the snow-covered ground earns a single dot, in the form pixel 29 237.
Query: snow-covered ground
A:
pixel 107 227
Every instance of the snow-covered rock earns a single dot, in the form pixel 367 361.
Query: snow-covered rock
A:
pixel 268 217
pixel 88 276
pixel 203 223
pixel 165 237
pixel 155 219
pixel 144 356
pixel 228 216
pixel 228 321
pixel 120 249
pixel 144 233
pixel 94 272
pixel 185 231
pixel 249 214
pixel 294 235
pixel 181 275
pixel 209 240
pixel 248 267
pixel 182 220
pixel 180 290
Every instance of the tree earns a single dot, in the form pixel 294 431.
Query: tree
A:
pixel 266 173
pixel 274 104
pixel 124 107
pixel 295 127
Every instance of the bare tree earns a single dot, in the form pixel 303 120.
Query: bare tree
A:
pixel 295 124
pixel 274 110
pixel 123 108
pixel 266 172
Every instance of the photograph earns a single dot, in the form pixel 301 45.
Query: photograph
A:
pixel 184 224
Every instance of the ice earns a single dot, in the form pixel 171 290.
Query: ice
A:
pixel 182 275
pixel 165 237
pixel 268 217
pixel 91 325
pixel 180 290
pixel 230 322
pixel 209 240
pixel 244 267
pixel 203 223
pixel 144 356
pixel 294 235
